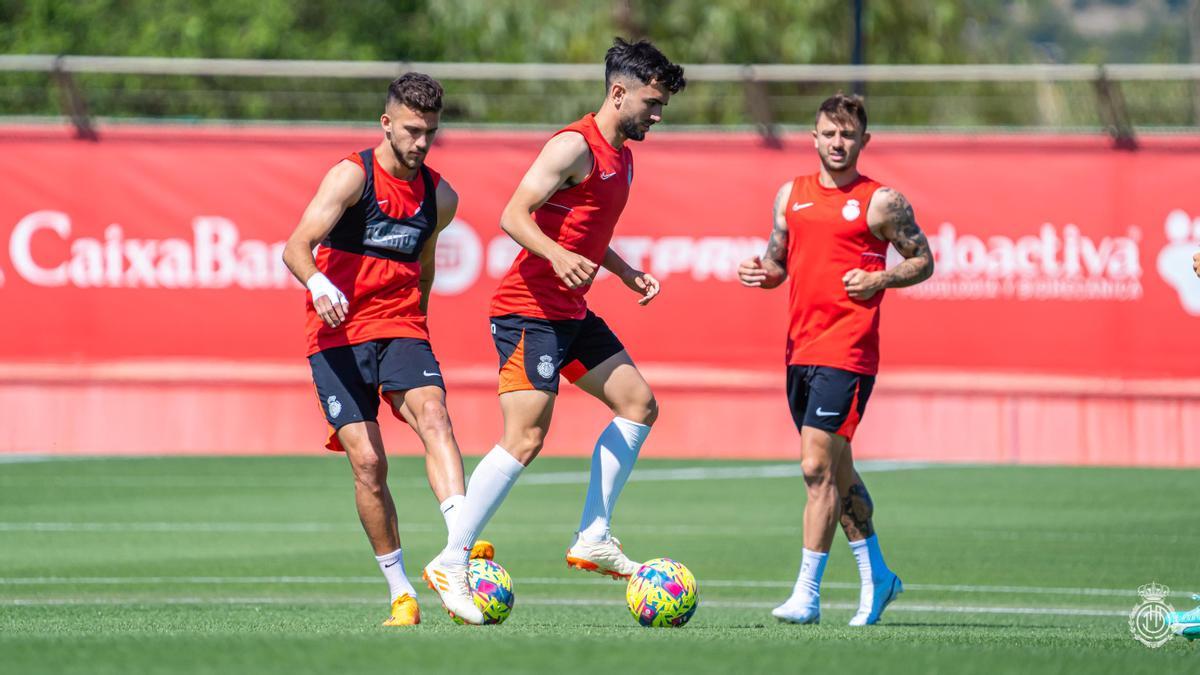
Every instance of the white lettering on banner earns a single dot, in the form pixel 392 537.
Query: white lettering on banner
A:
pixel 701 258
pixel 1175 259
pixel 19 247
pixel 1056 264
pixel 217 257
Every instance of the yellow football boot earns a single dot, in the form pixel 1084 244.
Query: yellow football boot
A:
pixel 405 612
pixel 483 549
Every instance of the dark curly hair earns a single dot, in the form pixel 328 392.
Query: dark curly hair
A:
pixel 643 61
pixel 844 109
pixel 417 91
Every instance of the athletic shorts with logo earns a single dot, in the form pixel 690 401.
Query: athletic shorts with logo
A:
pixel 351 379
pixel 829 399
pixel 534 351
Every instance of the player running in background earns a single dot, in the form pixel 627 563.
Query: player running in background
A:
pixel 831 234
pixel 376 216
pixel 563 214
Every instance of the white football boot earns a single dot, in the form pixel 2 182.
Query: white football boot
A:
pixel 449 581
pixel 875 598
pixel 601 557
pixel 800 608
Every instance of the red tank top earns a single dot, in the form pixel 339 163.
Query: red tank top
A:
pixel 373 256
pixel 827 237
pixel 581 218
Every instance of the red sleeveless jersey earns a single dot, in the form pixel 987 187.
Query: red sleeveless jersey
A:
pixel 581 218
pixel 373 256
pixel 827 237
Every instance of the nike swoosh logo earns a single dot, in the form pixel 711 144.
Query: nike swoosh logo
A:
pixel 797 206
pixel 426 373
pixel 822 413
pixel 391 564
pixel 605 175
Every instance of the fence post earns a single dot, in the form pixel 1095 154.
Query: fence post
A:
pixel 758 104
pixel 1113 111
pixel 72 102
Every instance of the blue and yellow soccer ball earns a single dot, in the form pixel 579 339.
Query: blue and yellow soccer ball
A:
pixel 662 593
pixel 492 590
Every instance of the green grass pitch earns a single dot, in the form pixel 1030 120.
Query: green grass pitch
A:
pixel 259 565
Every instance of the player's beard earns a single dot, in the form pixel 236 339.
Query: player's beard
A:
pixel 408 160
pixel 631 129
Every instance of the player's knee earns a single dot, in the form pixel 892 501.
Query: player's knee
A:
pixel 370 471
pixel 643 408
pixel 525 444
pixel 433 419
pixel 818 471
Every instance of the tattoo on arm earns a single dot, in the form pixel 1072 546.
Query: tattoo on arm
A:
pixel 778 243
pixel 904 233
pixel 857 509
pixel 774 261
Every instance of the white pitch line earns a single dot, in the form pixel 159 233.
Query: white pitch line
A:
pixel 176 527
pixel 789 470
pixel 551 581
pixel 569 602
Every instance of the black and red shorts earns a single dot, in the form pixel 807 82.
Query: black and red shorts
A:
pixel 534 351
pixel 829 399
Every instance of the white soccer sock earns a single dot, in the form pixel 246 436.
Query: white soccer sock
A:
pixel 870 559
pixel 612 461
pixel 489 485
pixel 808 582
pixel 392 566
pixel 451 508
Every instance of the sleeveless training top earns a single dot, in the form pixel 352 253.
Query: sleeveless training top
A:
pixel 581 218
pixel 373 256
pixel 827 237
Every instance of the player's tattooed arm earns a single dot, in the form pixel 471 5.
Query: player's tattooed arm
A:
pixel 894 220
pixel 447 201
pixel 770 269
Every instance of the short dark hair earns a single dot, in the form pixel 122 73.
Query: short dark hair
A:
pixel 643 61
pixel 417 91
pixel 844 109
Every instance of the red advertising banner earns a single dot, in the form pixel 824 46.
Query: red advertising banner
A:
pixel 142 272
pixel 1053 255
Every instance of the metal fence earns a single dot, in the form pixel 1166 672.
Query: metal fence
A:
pixel 1120 99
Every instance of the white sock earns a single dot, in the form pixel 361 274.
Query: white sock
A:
pixel 808 582
pixel 392 566
pixel 870 560
pixel 612 460
pixel 489 485
pixel 451 508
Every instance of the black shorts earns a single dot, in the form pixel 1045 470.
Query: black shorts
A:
pixel 350 379
pixel 829 399
pixel 533 351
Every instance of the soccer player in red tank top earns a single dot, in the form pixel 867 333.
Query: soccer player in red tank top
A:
pixel 562 214
pixel 377 215
pixel 834 252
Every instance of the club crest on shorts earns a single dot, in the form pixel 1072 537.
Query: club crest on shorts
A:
pixel 851 210
pixel 334 405
pixel 545 366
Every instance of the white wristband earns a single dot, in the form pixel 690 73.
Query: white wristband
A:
pixel 320 286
